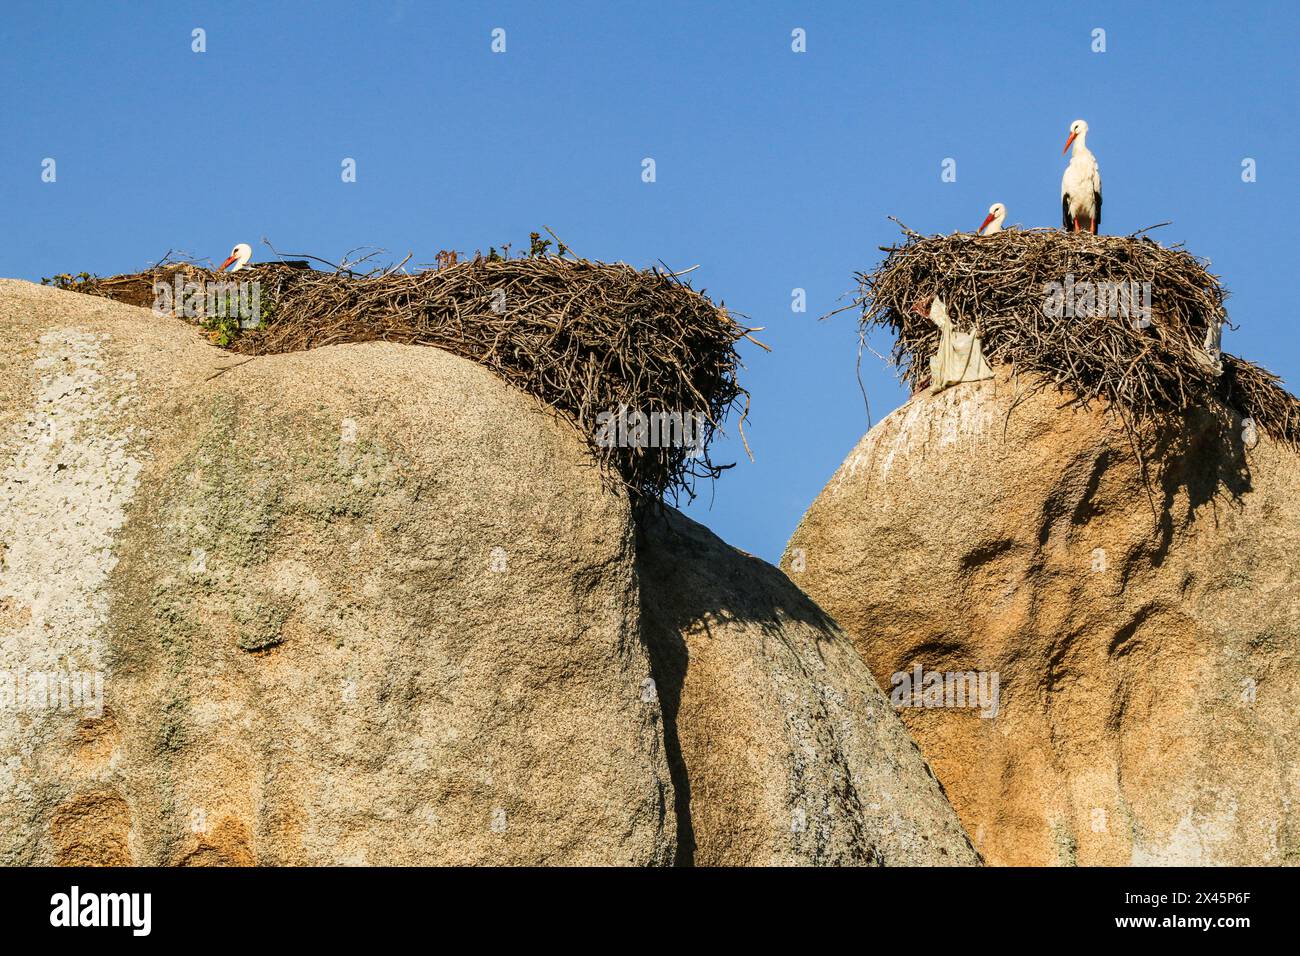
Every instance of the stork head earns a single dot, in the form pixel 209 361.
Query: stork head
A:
pixel 239 256
pixel 997 213
pixel 1078 129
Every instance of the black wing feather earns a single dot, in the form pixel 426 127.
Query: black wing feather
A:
pixel 1096 222
pixel 1065 211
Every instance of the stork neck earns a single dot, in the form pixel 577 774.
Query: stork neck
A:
pixel 1080 144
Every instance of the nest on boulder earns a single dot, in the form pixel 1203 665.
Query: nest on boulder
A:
pixel 600 342
pixel 1119 319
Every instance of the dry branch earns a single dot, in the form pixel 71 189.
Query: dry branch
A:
pixel 1141 371
pixel 585 337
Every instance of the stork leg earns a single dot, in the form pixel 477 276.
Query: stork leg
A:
pixel 1094 226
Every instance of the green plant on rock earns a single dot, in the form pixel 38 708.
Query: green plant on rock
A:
pixel 224 316
pixel 66 280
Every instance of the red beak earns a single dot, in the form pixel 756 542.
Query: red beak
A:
pixel 223 265
pixel 1068 142
pixel 984 223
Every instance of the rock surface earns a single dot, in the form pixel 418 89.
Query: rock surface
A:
pixel 358 605
pixel 1147 645
pixel 367 604
pixel 783 747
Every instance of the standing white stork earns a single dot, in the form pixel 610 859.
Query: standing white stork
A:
pixel 1081 184
pixel 239 256
pixel 997 215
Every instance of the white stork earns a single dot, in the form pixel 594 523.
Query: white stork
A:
pixel 1081 184
pixel 997 215
pixel 239 256
pixel 242 253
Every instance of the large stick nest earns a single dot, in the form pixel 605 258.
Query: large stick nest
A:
pixel 585 337
pixel 998 285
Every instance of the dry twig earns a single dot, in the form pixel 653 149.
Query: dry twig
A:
pixel 1139 371
pixel 584 336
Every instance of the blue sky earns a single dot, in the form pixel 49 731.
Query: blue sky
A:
pixel 775 170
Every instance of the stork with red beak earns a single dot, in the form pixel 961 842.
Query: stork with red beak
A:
pixel 997 215
pixel 1081 184
pixel 239 256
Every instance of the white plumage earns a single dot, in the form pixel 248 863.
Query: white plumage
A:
pixel 997 215
pixel 1081 184
pixel 239 256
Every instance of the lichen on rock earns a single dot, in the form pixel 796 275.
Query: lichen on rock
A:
pixel 368 604
pixel 1143 617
